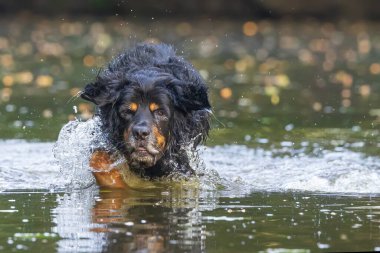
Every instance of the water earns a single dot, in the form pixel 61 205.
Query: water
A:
pixel 28 165
pixel 328 201
pixel 292 161
pixel 92 221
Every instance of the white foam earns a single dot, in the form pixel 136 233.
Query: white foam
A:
pixel 345 171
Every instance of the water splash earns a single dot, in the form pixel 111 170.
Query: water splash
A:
pixel 234 168
pixel 76 141
pixel 237 168
pixel 329 171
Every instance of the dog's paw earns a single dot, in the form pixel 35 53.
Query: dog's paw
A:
pixel 105 173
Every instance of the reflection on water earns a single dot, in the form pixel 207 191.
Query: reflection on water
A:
pixel 187 221
pixel 120 221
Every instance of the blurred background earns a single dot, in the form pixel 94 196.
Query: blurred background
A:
pixel 292 73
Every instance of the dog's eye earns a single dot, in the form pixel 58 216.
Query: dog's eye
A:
pixel 127 112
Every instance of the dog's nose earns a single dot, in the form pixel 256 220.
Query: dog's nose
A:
pixel 140 131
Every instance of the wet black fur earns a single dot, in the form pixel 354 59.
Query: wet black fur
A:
pixel 171 75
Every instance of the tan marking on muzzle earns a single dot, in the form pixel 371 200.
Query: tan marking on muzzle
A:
pixel 153 107
pixel 159 137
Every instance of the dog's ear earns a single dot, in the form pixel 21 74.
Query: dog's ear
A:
pixel 99 93
pixel 189 96
pixel 192 125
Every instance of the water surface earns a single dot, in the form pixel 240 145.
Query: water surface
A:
pixel 269 200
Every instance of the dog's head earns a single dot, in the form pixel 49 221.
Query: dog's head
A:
pixel 151 103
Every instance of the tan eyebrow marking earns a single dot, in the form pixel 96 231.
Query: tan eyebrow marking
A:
pixel 133 107
pixel 153 107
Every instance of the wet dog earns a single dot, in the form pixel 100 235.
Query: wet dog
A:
pixel 153 106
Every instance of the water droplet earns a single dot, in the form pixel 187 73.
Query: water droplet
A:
pixel 10 108
pixel 129 223
pixel 289 127
pixel 323 245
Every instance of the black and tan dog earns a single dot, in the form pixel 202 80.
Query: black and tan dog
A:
pixel 153 106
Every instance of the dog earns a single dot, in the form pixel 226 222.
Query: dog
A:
pixel 154 107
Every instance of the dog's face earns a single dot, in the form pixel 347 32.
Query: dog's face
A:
pixel 144 113
pixel 151 103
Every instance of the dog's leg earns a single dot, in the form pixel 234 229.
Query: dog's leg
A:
pixel 105 174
